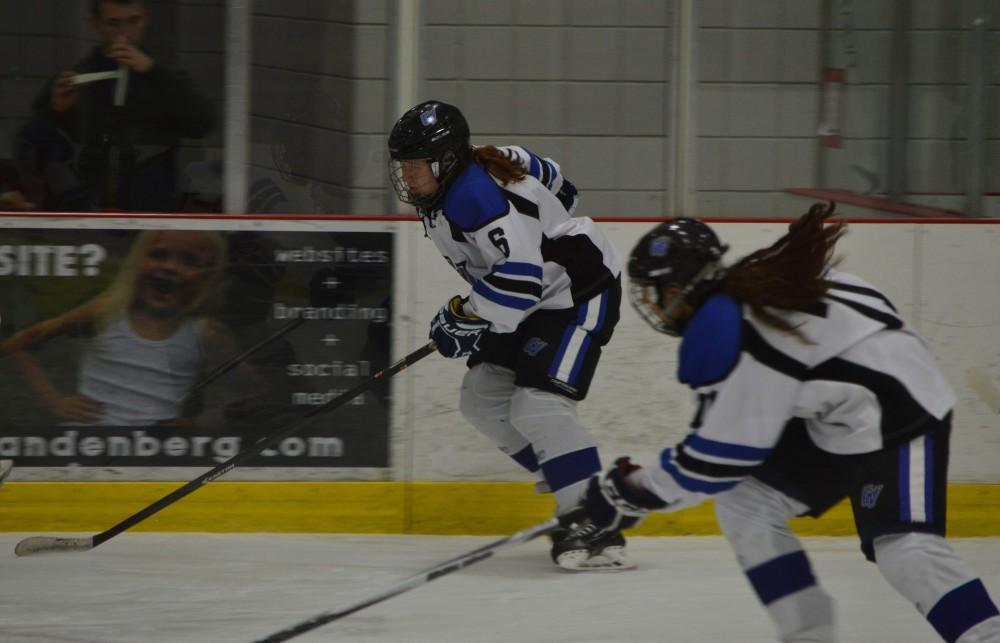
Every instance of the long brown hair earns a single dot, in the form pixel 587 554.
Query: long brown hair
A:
pixel 498 163
pixel 789 274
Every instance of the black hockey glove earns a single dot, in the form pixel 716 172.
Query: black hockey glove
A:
pixel 567 195
pixel 455 333
pixel 612 504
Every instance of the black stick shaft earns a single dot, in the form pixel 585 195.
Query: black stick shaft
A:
pixel 259 447
pixel 421 578
pixel 234 361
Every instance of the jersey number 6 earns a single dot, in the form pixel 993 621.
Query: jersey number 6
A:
pixel 496 236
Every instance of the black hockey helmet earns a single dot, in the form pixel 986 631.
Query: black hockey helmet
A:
pixel 682 253
pixel 433 131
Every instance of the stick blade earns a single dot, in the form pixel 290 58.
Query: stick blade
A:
pixel 48 545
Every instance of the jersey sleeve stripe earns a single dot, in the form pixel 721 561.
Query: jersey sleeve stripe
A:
pixel 550 173
pixel 530 288
pixel 726 450
pixel 690 483
pixel 507 301
pixel 704 468
pixel 519 268
pixel 534 165
pixel 546 178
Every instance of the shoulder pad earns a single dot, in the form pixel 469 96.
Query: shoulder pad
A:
pixel 474 200
pixel 711 345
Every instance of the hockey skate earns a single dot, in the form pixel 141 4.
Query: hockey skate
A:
pixel 585 547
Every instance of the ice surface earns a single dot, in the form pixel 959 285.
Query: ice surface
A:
pixel 212 588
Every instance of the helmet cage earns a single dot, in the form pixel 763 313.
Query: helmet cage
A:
pixel 684 254
pixel 646 299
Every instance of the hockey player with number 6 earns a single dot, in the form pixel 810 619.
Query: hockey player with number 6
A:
pixel 810 389
pixel 544 297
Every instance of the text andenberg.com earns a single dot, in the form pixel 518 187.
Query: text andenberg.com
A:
pixel 69 444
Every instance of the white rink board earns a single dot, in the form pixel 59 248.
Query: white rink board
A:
pixel 943 277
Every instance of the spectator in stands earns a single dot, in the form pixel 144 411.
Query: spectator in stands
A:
pixel 128 126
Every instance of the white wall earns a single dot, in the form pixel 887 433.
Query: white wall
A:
pixel 944 278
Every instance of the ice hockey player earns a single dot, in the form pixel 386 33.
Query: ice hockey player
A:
pixel 544 297
pixel 810 388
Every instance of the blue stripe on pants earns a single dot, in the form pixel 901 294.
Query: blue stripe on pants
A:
pixel 781 576
pixel 960 609
pixel 570 468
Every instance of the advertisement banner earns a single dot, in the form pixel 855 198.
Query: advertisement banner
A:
pixel 175 347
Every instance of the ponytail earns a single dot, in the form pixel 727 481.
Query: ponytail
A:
pixel 789 274
pixel 499 164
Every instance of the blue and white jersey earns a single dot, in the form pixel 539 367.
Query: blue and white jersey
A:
pixel 862 382
pixel 518 248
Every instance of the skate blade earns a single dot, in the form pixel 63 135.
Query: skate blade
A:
pixel 612 559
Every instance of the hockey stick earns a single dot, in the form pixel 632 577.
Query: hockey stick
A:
pixel 6 466
pixel 234 361
pixel 47 544
pixel 418 579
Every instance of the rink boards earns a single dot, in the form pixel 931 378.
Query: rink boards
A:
pixel 442 477
pixel 445 508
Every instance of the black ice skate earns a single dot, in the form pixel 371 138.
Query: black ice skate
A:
pixel 585 547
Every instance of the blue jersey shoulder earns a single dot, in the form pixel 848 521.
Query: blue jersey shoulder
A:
pixel 474 200
pixel 710 348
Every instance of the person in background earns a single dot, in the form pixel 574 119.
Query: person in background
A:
pixel 544 298
pixel 128 155
pixel 810 388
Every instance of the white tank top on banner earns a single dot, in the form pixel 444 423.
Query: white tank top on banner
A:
pixel 140 381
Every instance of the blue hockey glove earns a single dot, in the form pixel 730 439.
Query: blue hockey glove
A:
pixel 611 503
pixel 455 333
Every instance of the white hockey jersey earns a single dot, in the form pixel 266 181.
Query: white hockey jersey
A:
pixel 517 245
pixel 864 381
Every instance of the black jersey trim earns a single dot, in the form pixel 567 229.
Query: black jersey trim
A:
pixel 523 205
pixel 889 321
pixel 862 290
pixel 755 344
pixel 456 232
pixel 582 261
pixel 483 223
pixel 903 418
pixel 816 309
